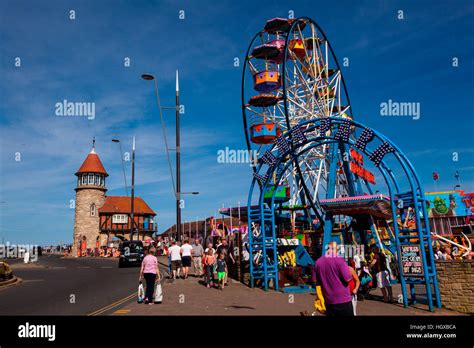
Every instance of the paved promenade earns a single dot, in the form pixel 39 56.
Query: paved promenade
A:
pixel 191 297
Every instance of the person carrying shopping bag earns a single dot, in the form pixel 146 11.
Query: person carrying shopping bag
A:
pixel 150 272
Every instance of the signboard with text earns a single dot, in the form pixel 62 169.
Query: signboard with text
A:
pixel 412 262
pixel 357 167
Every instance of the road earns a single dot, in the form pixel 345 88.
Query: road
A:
pixel 68 286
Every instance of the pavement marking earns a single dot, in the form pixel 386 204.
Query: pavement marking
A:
pixel 33 280
pixel 112 305
pixel 11 283
pixel 122 311
pixel 106 267
pixel 84 267
pixel 58 267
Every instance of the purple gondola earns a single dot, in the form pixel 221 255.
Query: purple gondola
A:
pixel 275 25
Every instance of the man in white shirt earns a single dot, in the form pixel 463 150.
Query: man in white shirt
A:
pixel 175 255
pixel 186 253
pixel 209 247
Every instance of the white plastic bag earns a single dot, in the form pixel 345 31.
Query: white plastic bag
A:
pixel 141 293
pixel 26 257
pixel 158 293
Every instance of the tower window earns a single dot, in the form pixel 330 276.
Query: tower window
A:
pixel 97 180
pixel 84 179
pixel 93 209
pixel 91 179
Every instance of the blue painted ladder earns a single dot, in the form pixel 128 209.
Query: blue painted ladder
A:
pixel 263 248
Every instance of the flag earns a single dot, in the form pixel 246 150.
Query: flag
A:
pixel 435 176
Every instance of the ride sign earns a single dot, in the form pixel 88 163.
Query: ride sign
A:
pixel 411 259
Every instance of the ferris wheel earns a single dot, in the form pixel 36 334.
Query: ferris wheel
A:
pixel 291 75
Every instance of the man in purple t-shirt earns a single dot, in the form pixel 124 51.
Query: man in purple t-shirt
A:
pixel 333 274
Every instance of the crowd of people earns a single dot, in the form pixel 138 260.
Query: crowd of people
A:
pixel 341 281
pixel 448 253
pixel 212 263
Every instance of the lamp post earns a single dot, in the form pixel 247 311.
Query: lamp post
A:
pixel 177 189
pixel 133 191
pixel 123 165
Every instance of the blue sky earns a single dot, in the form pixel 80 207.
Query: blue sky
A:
pixel 82 60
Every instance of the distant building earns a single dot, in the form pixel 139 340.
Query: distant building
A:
pixel 98 217
pixel 205 229
pixel 450 212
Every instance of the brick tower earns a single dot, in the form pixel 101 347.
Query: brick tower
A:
pixel 90 196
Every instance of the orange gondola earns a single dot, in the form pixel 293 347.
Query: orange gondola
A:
pixel 264 133
pixel 267 81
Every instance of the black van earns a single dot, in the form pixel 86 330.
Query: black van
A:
pixel 131 253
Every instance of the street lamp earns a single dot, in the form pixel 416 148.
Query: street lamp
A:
pixel 123 165
pixel 177 189
pixel 148 77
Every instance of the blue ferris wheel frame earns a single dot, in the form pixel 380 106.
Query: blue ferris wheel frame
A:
pixel 336 132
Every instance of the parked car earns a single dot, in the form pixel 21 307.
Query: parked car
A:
pixel 131 253
pixel 5 271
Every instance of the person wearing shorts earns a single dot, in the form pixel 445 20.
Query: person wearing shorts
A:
pixel 379 264
pixel 209 261
pixel 221 270
pixel 175 255
pixel 176 267
pixel 186 257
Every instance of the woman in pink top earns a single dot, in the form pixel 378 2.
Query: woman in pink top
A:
pixel 150 271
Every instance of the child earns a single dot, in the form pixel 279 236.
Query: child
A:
pixel 209 261
pixel 365 280
pixel 221 270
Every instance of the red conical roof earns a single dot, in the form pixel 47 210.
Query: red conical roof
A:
pixel 92 164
